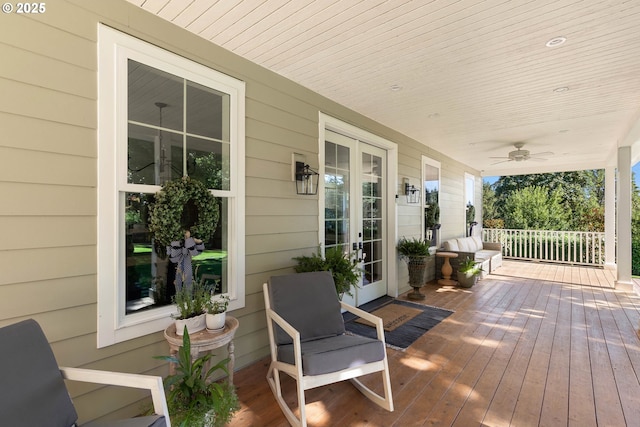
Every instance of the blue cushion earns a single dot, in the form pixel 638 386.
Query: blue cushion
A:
pixel 309 302
pixel 334 354
pixel 32 391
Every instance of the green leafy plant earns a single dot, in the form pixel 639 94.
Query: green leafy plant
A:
pixel 432 215
pixel 344 268
pixel 193 398
pixel 191 301
pixel 217 305
pixel 412 248
pixel 469 266
pixel 180 205
pixel 471 213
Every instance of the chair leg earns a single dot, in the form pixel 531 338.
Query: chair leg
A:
pixel 273 378
pixel 385 402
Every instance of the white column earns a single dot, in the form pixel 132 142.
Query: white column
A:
pixel 610 217
pixel 624 217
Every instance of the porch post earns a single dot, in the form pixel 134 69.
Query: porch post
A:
pixel 624 218
pixel 610 217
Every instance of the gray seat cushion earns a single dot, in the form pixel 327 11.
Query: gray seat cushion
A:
pixel 334 354
pixel 32 391
pixel 150 421
pixel 309 302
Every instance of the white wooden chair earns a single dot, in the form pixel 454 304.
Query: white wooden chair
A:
pixel 308 341
pixel 32 388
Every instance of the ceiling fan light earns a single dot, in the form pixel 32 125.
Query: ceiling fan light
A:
pixel 556 41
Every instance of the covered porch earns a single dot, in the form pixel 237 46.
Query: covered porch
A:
pixel 533 344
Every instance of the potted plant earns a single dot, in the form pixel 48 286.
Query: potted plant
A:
pixel 344 268
pixel 216 309
pixel 415 252
pixel 193 398
pixel 468 272
pixel 190 302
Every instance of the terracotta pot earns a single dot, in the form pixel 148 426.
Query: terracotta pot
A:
pixel 193 324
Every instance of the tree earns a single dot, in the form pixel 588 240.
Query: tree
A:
pixel 581 195
pixel 535 208
pixel 489 206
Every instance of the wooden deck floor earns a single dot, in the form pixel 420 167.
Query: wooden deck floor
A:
pixel 533 345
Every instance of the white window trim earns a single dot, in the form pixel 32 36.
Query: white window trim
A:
pixel 114 48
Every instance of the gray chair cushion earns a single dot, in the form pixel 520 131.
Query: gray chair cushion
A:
pixel 32 391
pixel 334 354
pixel 309 302
pixel 151 421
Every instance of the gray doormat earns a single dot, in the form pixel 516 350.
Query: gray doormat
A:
pixel 406 334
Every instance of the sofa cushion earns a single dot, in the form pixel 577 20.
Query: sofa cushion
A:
pixel 464 245
pixel 334 354
pixel 451 245
pixel 477 242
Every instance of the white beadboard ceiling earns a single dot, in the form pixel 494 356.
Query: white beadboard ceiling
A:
pixel 471 77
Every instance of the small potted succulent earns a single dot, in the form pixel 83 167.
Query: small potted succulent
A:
pixel 216 309
pixel 468 272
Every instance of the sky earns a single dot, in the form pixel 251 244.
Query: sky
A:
pixel 635 169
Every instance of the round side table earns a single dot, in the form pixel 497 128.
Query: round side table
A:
pixel 446 268
pixel 205 341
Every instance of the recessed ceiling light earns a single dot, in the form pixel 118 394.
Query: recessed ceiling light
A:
pixel 433 115
pixel 395 88
pixel 563 130
pixel 556 41
pixel 561 89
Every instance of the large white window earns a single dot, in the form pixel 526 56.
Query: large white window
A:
pixel 162 117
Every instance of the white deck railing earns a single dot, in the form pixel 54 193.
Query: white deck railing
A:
pixel 572 247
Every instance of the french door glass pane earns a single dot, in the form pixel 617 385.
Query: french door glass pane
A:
pixel 372 217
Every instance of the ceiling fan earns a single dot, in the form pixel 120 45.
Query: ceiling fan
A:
pixel 520 155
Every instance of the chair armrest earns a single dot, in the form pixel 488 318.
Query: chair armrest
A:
pixel 368 317
pixel 492 246
pixel 147 382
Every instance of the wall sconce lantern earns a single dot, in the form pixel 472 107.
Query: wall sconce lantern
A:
pixel 412 193
pixel 306 179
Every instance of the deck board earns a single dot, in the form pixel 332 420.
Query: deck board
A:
pixel 534 344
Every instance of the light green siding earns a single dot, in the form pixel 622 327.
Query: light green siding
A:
pixel 48 184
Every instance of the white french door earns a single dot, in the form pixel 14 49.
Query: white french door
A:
pixel 355 214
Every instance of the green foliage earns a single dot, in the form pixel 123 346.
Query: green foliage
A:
pixel 191 301
pixel 183 204
pixel 635 255
pixel 194 400
pixel 489 207
pixel 431 215
pixel 217 305
pixel 469 266
pixel 344 268
pixel 580 195
pixel 411 248
pixel 471 213
pixel 493 223
pixel 535 208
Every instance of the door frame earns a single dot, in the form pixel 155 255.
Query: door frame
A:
pixel 331 123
